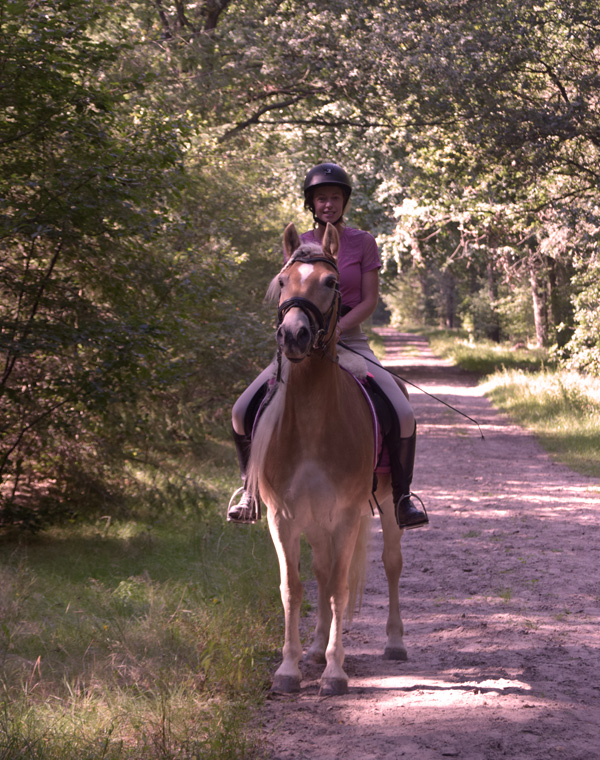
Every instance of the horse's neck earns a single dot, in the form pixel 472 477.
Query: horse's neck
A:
pixel 313 383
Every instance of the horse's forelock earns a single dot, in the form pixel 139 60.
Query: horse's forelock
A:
pixel 308 251
pixel 305 253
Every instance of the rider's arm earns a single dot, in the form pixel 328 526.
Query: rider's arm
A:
pixel 369 296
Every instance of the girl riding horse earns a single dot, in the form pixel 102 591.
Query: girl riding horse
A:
pixel 327 191
pixel 312 461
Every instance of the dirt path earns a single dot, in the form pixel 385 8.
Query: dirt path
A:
pixel 500 597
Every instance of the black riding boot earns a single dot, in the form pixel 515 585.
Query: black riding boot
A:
pixel 402 462
pixel 247 510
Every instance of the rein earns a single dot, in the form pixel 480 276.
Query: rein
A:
pixel 320 323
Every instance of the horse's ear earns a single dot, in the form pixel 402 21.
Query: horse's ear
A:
pixel 291 241
pixel 331 241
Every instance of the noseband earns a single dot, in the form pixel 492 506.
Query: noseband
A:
pixel 319 323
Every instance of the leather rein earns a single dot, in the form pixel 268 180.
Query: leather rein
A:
pixel 320 323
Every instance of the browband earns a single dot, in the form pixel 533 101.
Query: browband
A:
pixel 304 257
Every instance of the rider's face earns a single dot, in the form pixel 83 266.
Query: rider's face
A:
pixel 328 201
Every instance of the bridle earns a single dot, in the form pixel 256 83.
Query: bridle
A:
pixel 320 323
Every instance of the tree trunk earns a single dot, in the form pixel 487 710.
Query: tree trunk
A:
pixel 494 328
pixel 539 293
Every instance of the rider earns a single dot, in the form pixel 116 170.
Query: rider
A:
pixel 327 190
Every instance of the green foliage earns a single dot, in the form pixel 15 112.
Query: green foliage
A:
pixel 129 310
pixel 479 315
pixel 582 352
pixel 405 301
pixel 153 152
pixel 85 192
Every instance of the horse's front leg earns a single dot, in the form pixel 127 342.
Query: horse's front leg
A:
pixel 334 679
pixel 392 562
pixel 320 542
pixel 287 545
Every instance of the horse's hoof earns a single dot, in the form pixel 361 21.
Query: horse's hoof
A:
pixel 286 684
pixel 395 653
pixel 333 687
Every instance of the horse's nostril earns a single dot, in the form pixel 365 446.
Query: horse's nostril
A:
pixel 303 334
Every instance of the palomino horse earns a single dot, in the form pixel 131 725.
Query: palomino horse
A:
pixel 312 463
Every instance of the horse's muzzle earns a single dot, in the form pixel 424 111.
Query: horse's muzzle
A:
pixel 294 337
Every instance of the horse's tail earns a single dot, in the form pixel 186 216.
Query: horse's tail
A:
pixel 358 568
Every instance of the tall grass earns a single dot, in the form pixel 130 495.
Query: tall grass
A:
pixel 137 639
pixel 484 356
pixel 561 408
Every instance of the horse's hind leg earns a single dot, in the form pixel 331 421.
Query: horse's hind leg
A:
pixel 392 562
pixel 288 676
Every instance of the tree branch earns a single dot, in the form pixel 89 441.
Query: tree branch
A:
pixel 211 11
pixel 326 123
pixel 163 19
pixel 557 82
pixel 255 118
pixel 11 357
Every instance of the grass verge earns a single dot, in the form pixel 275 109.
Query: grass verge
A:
pixel 136 639
pixel 484 357
pixel 561 408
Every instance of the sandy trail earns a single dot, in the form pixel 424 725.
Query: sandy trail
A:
pixel 500 599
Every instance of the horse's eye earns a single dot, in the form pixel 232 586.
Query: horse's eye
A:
pixel 330 283
pixel 281 282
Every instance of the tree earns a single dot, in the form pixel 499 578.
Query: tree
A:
pixel 77 228
pixel 152 153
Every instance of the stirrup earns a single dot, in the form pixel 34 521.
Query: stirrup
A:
pixel 244 512
pixel 419 522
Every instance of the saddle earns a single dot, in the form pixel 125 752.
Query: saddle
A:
pixel 381 411
pixel 381 415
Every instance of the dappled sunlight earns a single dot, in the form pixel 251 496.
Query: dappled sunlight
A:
pixel 440 692
pixel 474 391
pixel 424 361
pixel 546 499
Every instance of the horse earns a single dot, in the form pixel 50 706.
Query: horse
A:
pixel 312 463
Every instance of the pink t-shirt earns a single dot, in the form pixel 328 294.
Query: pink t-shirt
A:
pixel 358 254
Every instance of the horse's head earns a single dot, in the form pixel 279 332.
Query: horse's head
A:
pixel 309 298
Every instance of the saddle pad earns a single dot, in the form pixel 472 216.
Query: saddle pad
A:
pixel 380 455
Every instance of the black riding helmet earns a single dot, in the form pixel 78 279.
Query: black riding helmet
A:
pixel 325 174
